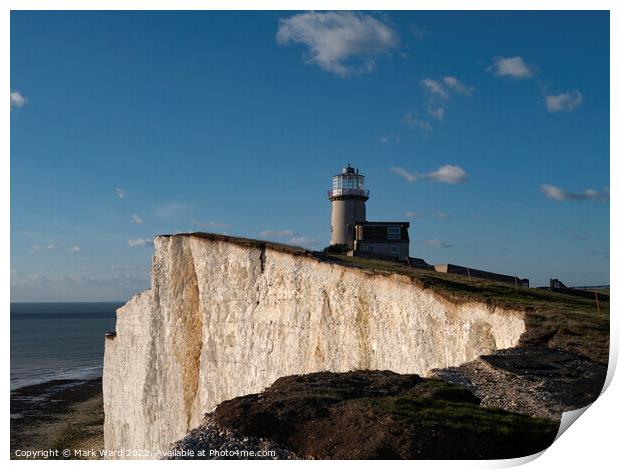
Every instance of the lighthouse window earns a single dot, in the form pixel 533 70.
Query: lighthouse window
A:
pixel 393 233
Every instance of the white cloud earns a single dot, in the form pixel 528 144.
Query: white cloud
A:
pixel 210 224
pixel 410 120
pixel 75 249
pixel 442 215
pixel 136 219
pixel 17 99
pixel 303 241
pixel 277 233
pixel 559 194
pixel 121 193
pixel 140 242
pixel 450 174
pixel 436 243
pixel 457 86
pixel 439 92
pixel 513 67
pixel 434 87
pixel 437 112
pixel 563 102
pixel 47 247
pixel 399 170
pixel 343 43
pixel 413 214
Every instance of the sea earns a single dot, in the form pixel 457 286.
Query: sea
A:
pixel 51 341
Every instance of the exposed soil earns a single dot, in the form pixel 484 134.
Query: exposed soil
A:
pixel 380 414
pixel 61 414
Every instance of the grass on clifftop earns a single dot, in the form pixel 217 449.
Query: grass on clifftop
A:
pixel 557 320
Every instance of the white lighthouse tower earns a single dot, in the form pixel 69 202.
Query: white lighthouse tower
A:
pixel 348 197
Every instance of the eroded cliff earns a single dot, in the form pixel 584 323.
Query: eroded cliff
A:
pixel 226 317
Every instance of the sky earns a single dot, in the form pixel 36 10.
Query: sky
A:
pixel 488 131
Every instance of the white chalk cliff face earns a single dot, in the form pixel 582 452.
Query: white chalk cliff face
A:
pixel 225 319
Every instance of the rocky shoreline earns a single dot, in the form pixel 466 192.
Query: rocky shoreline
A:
pixel 57 415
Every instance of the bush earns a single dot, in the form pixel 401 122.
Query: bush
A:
pixel 338 248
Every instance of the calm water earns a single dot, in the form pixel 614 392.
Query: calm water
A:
pixel 58 340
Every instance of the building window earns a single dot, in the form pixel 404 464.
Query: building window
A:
pixel 393 233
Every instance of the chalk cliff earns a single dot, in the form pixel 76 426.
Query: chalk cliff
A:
pixel 226 317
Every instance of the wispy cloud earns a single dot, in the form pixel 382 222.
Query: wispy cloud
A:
pixel 303 241
pixel 436 112
pixel 436 243
pixel 455 85
pixel 413 214
pixel 439 92
pixel 399 170
pixel 413 122
pixel 48 247
pixel 172 209
pixel 389 138
pixel 511 67
pixel 140 242
pixel 435 87
pixel 580 235
pixel 563 102
pixel 559 194
pixel 343 43
pixel 603 253
pixel 136 219
pixel 75 249
pixel 277 233
pixel 120 193
pixel 450 174
pixel 210 224
pixel 442 215
pixel 17 99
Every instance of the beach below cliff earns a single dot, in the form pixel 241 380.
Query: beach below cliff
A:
pixel 55 416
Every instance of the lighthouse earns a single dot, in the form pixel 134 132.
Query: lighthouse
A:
pixel 348 197
pixel 383 240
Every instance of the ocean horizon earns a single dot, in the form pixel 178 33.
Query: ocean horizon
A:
pixel 58 340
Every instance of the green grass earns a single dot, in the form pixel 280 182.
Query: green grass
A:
pixel 435 404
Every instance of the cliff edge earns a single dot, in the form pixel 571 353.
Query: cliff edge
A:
pixel 226 317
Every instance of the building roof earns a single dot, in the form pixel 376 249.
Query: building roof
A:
pixel 402 224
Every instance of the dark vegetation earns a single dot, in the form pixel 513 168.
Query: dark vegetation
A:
pixel 338 249
pixel 380 414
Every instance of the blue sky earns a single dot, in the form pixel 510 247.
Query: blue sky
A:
pixel 489 131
